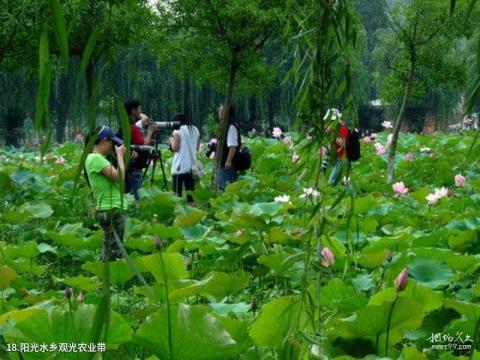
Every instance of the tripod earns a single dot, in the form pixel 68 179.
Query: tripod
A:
pixel 154 157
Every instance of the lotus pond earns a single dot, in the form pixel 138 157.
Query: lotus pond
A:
pixel 274 268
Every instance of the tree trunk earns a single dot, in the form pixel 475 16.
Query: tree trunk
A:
pixel 14 118
pixel 399 122
pixel 270 112
pixel 252 113
pixel 62 106
pixel 91 95
pixel 224 121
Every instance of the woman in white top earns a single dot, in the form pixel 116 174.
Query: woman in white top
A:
pixel 185 143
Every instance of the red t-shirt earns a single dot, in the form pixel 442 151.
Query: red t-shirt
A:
pixel 343 133
pixel 136 135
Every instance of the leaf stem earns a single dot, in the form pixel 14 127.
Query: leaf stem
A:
pixel 389 323
pixel 167 301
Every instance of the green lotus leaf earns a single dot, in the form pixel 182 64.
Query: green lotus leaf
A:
pixel 194 334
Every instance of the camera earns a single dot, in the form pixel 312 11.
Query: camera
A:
pixel 211 147
pixel 142 149
pixel 145 155
pixel 166 124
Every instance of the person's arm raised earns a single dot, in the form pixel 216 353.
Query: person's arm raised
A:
pixel 150 131
pixel 116 174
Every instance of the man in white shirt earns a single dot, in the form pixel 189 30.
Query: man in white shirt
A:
pixel 228 173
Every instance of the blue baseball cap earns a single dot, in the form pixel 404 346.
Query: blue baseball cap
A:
pixel 107 133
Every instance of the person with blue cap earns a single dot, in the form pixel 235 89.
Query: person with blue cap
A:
pixel 105 181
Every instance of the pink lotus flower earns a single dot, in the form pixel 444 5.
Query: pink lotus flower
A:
pixel 327 257
pixel 432 199
pixel 157 242
pixel 399 188
pixel 409 157
pixel 277 132
pixel 373 136
pixel 459 180
pixel 309 192
pixel 283 199
pixel 60 160
pixel 323 151
pixel 287 139
pixel 401 280
pixel 442 192
pixel 295 158
pixel 380 149
pixel 367 139
pixel 387 124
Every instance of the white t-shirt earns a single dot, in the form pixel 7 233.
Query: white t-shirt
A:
pixel 182 161
pixel 232 136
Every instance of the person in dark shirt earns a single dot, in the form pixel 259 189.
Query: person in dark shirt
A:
pixel 232 142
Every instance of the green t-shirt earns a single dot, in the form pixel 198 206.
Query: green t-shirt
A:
pixel 106 192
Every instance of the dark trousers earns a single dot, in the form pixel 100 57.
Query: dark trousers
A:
pixel 134 182
pixel 227 176
pixel 183 180
pixel 112 222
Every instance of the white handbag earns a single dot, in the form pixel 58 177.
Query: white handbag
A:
pixel 198 170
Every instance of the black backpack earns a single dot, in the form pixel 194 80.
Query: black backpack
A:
pixel 353 145
pixel 243 159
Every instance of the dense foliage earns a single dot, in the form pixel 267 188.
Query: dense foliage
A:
pixel 158 62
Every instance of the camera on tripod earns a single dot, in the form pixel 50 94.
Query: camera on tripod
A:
pixel 143 149
pixel 175 125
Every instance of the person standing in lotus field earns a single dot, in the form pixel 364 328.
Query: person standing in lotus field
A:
pixel 228 172
pixel 137 122
pixel 340 143
pixel 185 144
pixel 105 181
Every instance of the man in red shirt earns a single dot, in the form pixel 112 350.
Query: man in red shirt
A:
pixel 340 144
pixel 134 176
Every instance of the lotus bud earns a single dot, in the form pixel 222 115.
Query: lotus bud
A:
pixel 157 242
pixel 401 280
pixel 327 257
pixel 80 297
pixel 459 180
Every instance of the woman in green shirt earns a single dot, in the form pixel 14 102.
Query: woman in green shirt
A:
pixel 105 180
